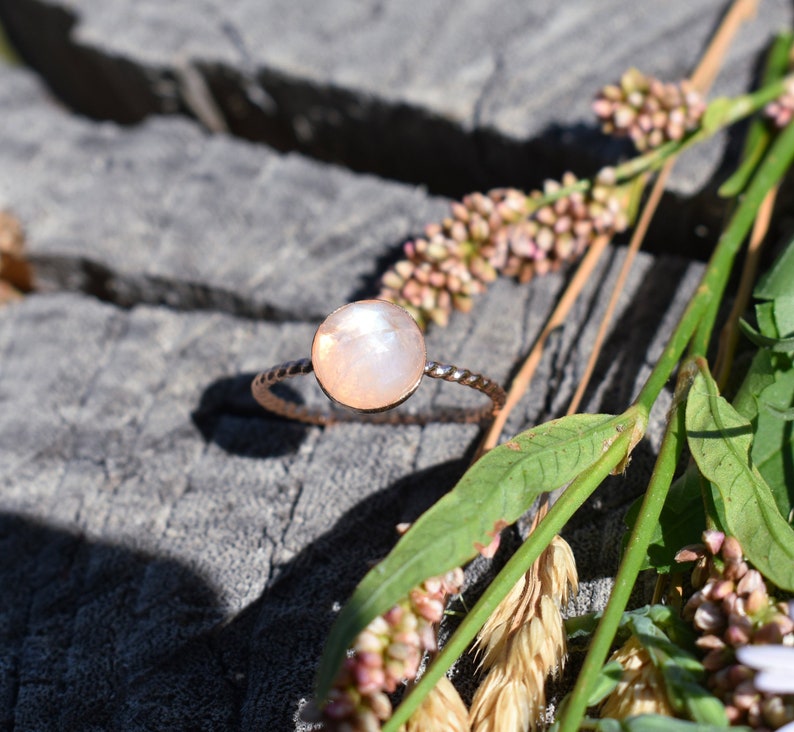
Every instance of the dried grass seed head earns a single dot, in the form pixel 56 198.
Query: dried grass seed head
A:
pixel 505 702
pixel 441 709
pixel 523 643
pixel 641 689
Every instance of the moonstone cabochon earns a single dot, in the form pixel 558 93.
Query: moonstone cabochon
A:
pixel 369 355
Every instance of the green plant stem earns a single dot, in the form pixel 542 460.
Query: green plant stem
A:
pixel 629 569
pixel 699 316
pixel 769 173
pixel 759 135
pixel 721 113
pixel 770 170
pixel 565 506
pixel 697 324
pixel 679 340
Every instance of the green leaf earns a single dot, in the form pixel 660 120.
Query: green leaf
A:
pixel 765 314
pixel 670 644
pixel 602 725
pixel 767 393
pixel 656 723
pixel 660 648
pixel 669 621
pixel 665 618
pixel 777 281
pixel 784 313
pixel 493 493
pixel 775 322
pixel 581 626
pixel 773 442
pixel 699 704
pixel 787 415
pixel 720 440
pixel 775 312
pixel 606 683
pixel 680 523
pixel 689 699
pixel 760 375
pixel 781 345
pixel 682 673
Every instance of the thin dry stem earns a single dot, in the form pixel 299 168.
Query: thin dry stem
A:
pixel 634 246
pixel 521 380
pixel 706 71
pixel 730 331
pixel 702 78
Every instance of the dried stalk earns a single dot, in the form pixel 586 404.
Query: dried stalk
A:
pixel 702 78
pixel 730 331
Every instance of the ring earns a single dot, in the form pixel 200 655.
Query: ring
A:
pixel 369 356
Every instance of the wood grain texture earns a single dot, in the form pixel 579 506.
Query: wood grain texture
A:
pixel 458 95
pixel 170 556
pixel 162 213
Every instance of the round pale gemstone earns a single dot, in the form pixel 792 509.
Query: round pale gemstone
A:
pixel 369 355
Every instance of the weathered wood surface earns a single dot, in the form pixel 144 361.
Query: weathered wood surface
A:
pixel 162 213
pixel 172 556
pixel 460 95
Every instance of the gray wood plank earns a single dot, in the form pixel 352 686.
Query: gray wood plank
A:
pixel 165 213
pixel 172 557
pixel 460 95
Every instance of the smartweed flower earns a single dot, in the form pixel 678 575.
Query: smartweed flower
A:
pixel 648 110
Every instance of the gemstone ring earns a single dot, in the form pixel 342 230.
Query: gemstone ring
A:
pixel 369 356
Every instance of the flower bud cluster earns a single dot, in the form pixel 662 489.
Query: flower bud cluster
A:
pixel 502 232
pixel 560 231
pixel 731 609
pixel 452 262
pixel 781 111
pixel 648 110
pixel 386 653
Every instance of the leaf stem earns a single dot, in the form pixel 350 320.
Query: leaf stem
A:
pixel 636 549
pixel 759 135
pixel 566 505
pixel 769 173
pixel 520 383
pixel 721 113
pixel 699 317
pixel 702 78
